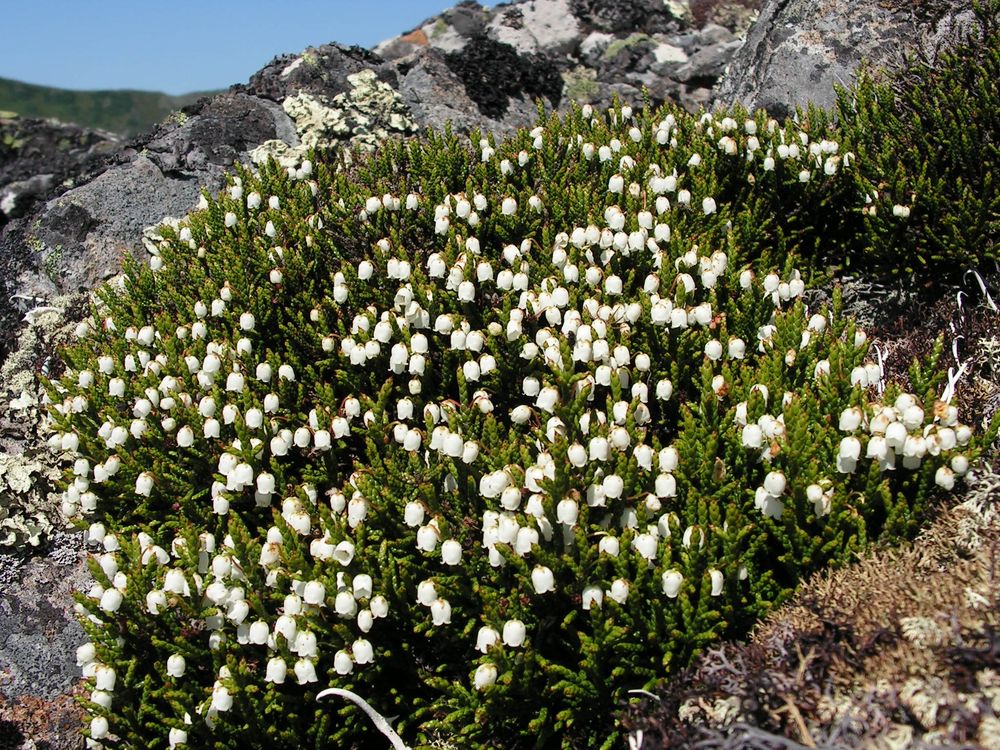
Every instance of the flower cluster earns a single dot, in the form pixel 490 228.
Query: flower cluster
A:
pixel 509 430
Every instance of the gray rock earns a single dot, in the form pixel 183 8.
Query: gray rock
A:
pixel 78 239
pixel 534 27
pixel 707 64
pixel 467 18
pixel 798 49
pixel 86 231
pixel 713 33
pixel 436 95
pixel 38 156
pixel 618 17
pixel 39 633
pixel 216 134
pixel 16 196
pixel 319 70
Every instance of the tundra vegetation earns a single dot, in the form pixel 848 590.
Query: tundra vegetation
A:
pixel 493 433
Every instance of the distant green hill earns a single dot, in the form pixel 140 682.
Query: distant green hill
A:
pixel 119 111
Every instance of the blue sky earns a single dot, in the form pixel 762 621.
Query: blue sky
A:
pixel 177 46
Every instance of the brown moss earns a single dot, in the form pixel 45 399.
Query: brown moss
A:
pixel 902 646
pixel 31 722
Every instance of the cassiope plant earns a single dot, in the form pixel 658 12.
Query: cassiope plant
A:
pixel 486 434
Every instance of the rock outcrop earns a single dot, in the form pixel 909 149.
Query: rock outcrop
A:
pixel 799 49
pixel 41 157
pixel 586 51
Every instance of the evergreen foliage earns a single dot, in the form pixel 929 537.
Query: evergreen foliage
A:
pixel 489 434
pixel 927 138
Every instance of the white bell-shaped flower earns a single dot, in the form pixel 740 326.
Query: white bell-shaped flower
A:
pixel 542 579
pixel 672 580
pixel 514 633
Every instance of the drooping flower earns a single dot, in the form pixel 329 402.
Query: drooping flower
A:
pixel 276 670
pixel 672 580
pixel 514 633
pixel 542 579
pixel 485 676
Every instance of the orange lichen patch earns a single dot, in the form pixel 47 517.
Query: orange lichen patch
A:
pixel 417 36
pixel 51 724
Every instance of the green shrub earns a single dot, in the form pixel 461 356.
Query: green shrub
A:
pixel 352 426
pixel 929 139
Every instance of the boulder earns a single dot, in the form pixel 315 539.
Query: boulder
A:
pixel 320 71
pixel 37 157
pixel 77 239
pixel 798 49
pixel 598 48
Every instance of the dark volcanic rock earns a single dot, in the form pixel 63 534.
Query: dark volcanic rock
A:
pixel 617 17
pixel 39 633
pixel 38 156
pixel 79 238
pixel 216 132
pixel 599 48
pixel 799 49
pixel 493 73
pixel 318 70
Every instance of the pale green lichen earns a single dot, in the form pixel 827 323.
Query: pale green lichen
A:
pixel 151 236
pixel 678 8
pixel 580 84
pixel 29 506
pixel 360 118
pixel 620 45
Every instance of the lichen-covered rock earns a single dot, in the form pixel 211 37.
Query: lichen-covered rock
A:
pixel 363 116
pixel 29 505
pixel 199 142
pixel 26 508
pixel 616 17
pixel 798 49
pixel 38 630
pixel 435 94
pixel 493 72
pixel 538 27
pixel 625 48
pixel 322 70
pixel 38 156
